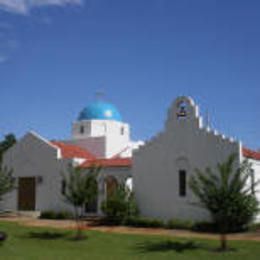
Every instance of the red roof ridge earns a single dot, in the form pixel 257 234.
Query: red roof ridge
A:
pixel 108 162
pixel 69 151
pixel 248 153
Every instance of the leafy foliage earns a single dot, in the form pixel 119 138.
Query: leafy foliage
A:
pixel 180 224
pixel 80 186
pixel 7 182
pixel 227 195
pixel 120 205
pixel 79 189
pixel 9 141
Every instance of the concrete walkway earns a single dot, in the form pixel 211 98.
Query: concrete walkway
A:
pixel 69 224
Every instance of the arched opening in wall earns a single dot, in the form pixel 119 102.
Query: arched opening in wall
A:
pixel 182 183
pixel 91 207
pixel 182 108
pixel 111 186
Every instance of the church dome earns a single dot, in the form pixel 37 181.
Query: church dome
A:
pixel 100 111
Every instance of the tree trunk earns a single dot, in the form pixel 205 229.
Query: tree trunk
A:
pixel 78 234
pixel 223 242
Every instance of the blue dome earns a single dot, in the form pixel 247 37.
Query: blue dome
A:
pixel 100 110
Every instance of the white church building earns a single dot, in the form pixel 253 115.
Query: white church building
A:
pixel 160 168
pixel 99 137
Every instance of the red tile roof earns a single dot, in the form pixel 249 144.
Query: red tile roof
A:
pixel 251 154
pixel 69 151
pixel 114 162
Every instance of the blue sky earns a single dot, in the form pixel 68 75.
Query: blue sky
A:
pixel 141 53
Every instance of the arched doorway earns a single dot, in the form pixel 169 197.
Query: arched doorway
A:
pixel 111 186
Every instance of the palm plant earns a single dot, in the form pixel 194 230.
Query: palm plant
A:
pixel 228 194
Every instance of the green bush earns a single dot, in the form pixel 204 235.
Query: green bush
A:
pixel 144 222
pixel 119 206
pixel 179 224
pixel 211 227
pixel 50 214
pixel 64 215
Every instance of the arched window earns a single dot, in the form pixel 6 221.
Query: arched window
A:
pixel 182 183
pixel 81 129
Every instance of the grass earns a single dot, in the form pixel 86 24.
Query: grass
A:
pixel 46 243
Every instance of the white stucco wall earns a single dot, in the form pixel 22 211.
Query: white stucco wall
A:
pixel 183 145
pixel 33 156
pixel 255 166
pixel 104 138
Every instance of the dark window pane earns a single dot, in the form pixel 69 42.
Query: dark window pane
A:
pixel 82 129
pixel 63 187
pixel 252 173
pixel 182 183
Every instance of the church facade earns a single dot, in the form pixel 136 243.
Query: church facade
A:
pixel 157 170
pixel 162 167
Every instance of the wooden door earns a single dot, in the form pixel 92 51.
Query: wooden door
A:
pixel 26 193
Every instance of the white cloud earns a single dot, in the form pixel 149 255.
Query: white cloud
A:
pixel 24 6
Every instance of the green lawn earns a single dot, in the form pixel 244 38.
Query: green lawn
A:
pixel 45 243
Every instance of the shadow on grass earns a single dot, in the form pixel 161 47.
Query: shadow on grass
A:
pixel 168 245
pixel 52 235
pixel 77 239
pixel 46 235
pixel 179 247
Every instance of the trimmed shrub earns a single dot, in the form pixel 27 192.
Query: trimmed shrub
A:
pixel 205 226
pixel 144 222
pixel 64 215
pixel 211 227
pixel 179 224
pixel 50 214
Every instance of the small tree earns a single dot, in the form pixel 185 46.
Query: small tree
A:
pixel 6 181
pixel 8 141
pixel 79 189
pixel 227 195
